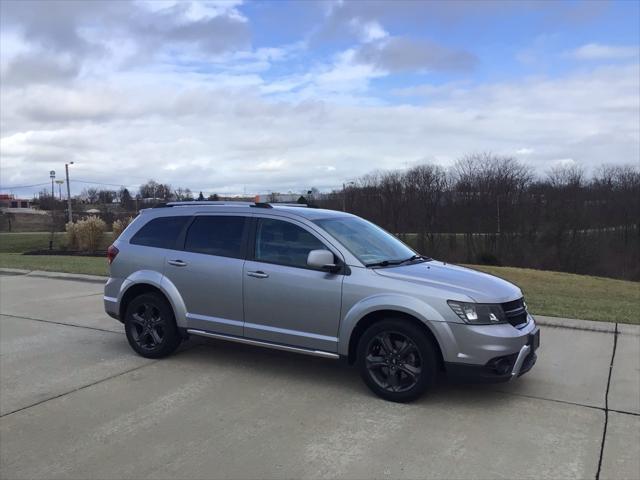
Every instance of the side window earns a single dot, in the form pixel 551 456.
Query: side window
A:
pixel 284 243
pixel 216 235
pixel 160 232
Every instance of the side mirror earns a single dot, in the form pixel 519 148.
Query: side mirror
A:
pixel 321 259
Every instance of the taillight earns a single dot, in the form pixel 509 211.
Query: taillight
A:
pixel 111 254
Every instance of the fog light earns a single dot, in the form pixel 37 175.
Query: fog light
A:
pixel 501 365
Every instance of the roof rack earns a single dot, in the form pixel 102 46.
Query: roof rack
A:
pixel 202 202
pixel 232 202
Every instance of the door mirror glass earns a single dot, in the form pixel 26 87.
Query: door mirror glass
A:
pixel 321 259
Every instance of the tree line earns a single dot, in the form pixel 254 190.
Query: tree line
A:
pixel 495 210
pixel 149 193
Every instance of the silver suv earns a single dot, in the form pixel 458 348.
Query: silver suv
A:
pixel 317 282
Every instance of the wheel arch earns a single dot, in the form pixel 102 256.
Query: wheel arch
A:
pixel 153 282
pixel 136 290
pixel 385 314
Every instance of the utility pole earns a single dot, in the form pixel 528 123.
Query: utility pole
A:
pixel 498 211
pixel 52 175
pixel 344 195
pixel 66 168
pixel 60 182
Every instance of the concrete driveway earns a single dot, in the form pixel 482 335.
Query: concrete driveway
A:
pixel 76 402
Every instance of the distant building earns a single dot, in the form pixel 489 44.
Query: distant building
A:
pixel 8 200
pixel 278 197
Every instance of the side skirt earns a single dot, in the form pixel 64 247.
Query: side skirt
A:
pixel 276 346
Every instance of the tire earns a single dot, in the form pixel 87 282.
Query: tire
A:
pixel 151 327
pixel 397 360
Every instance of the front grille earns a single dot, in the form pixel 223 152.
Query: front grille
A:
pixel 516 312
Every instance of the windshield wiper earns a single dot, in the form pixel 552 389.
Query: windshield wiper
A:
pixel 384 263
pixel 415 257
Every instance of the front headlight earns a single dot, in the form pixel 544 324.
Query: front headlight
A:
pixel 478 313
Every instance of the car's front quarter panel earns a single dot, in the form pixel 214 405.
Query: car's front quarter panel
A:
pixel 365 291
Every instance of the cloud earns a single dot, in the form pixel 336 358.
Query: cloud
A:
pixel 340 15
pixel 399 54
pixel 227 139
pixel 596 51
pixel 54 25
pixel 25 69
pixel 525 151
pixel 210 34
pixel 66 34
pixel 180 91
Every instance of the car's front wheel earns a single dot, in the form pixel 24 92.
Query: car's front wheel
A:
pixel 151 327
pixel 397 360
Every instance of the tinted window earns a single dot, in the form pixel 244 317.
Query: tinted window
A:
pixel 284 243
pixel 220 236
pixel 160 232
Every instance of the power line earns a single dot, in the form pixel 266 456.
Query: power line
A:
pixel 18 187
pixel 101 183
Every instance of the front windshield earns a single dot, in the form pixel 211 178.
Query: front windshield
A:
pixel 368 242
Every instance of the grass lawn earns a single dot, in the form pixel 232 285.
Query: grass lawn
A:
pixel 55 263
pixel 554 294
pixel 558 294
pixel 24 242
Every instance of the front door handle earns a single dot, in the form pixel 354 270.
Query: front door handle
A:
pixel 258 274
pixel 177 263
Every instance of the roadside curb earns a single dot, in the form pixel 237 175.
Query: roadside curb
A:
pixel 13 271
pixel 575 324
pixel 588 325
pixel 79 277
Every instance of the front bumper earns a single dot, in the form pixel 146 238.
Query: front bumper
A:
pixel 501 368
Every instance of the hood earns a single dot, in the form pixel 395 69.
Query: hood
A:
pixel 479 286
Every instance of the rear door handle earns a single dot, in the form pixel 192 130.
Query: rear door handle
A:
pixel 177 263
pixel 258 274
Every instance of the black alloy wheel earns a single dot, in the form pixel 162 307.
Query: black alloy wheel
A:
pixel 397 359
pixel 150 326
pixel 393 361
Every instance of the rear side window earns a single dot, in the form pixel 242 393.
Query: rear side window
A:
pixel 160 232
pixel 284 243
pixel 216 235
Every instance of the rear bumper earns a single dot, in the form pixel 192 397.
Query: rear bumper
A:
pixel 112 307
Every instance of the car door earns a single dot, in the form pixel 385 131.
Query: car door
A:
pixel 208 272
pixel 285 301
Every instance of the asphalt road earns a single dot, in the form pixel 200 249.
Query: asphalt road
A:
pixel 76 402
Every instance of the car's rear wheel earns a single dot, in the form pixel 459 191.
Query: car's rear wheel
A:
pixel 151 326
pixel 397 360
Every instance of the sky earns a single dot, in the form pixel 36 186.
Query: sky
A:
pixel 234 97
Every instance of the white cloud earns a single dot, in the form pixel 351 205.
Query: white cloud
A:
pixel 401 54
pixel 368 31
pixel 596 51
pixel 525 151
pixel 225 138
pixel 176 98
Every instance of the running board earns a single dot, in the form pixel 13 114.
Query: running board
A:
pixel 276 346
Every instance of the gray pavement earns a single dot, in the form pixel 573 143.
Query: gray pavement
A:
pixel 75 402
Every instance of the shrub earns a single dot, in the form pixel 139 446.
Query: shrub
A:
pixel 119 226
pixel 90 233
pixel 72 235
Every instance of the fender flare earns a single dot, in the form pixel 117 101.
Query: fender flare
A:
pixel 162 283
pixel 397 302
